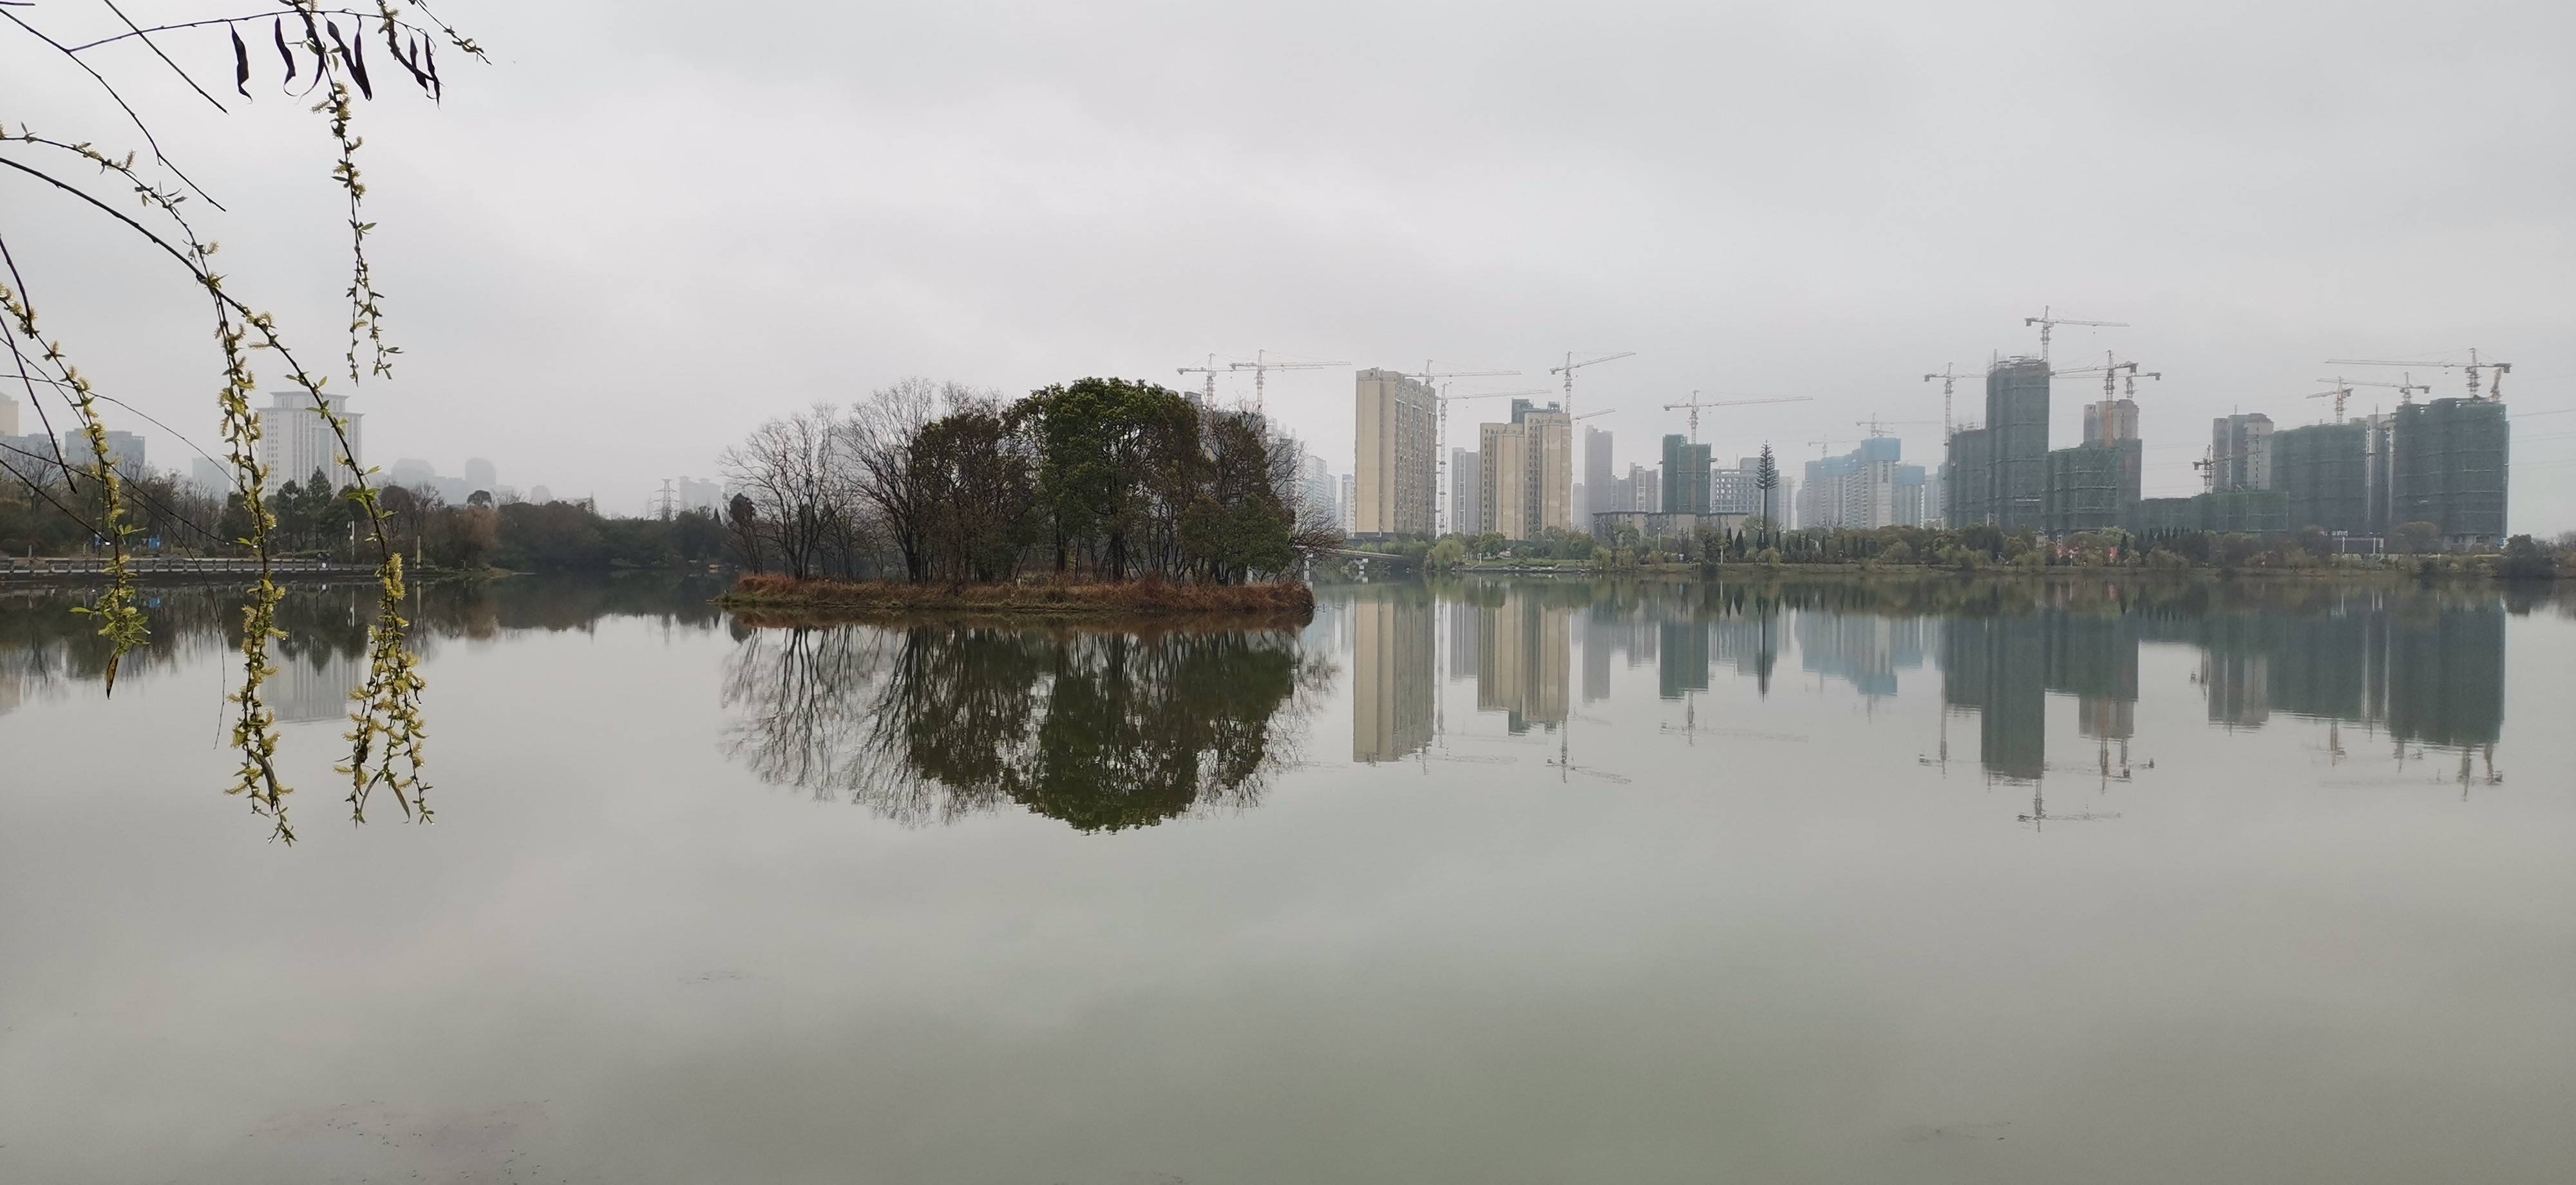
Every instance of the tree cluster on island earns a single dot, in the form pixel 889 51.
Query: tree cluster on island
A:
pixel 1100 479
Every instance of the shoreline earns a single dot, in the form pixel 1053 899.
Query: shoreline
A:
pixel 761 599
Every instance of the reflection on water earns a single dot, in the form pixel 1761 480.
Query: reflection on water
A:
pixel 1618 881
pixel 2415 668
pixel 46 649
pixel 1101 729
pixel 1107 729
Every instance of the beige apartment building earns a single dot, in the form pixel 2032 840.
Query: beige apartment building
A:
pixel 1395 487
pixel 1527 470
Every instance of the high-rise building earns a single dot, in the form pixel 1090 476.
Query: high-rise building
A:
pixel 1527 472
pixel 1732 491
pixel 542 495
pixel 1319 496
pixel 480 475
pixel 209 478
pixel 295 440
pixel 1596 476
pixel 2109 421
pixel 125 451
pixel 1968 497
pixel 1864 489
pixel 2323 470
pixel 1396 480
pixel 2449 469
pixel 1345 506
pixel 2240 452
pixel 412 473
pixel 8 416
pixel 1466 489
pixel 2017 430
pixel 1685 476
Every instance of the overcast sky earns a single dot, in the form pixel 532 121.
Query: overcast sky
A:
pixel 639 232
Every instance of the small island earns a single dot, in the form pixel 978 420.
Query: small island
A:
pixel 1097 498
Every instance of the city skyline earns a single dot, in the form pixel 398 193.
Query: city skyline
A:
pixel 1908 218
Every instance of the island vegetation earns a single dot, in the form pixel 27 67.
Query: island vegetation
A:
pixel 1101 495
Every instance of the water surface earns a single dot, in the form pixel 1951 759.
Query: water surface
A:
pixel 1493 882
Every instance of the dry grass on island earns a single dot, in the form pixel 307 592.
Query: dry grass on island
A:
pixel 1266 602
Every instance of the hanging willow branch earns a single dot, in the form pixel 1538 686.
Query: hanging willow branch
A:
pixel 388 728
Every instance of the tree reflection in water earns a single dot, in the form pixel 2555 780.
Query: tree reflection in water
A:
pixel 1103 730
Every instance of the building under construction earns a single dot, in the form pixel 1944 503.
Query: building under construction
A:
pixel 2448 468
pixel 2323 472
pixel 2093 487
pixel 1998 474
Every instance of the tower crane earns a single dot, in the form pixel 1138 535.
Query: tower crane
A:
pixel 2208 466
pixel 2473 366
pixel 1696 403
pixel 1428 375
pixel 2047 322
pixel 1211 370
pixel 1571 366
pixel 1877 426
pixel 2339 392
pixel 2406 386
pixel 1949 377
pixel 1442 481
pixel 1589 414
pixel 1261 366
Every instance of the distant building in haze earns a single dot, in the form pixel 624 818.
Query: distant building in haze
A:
pixel 1731 490
pixel 295 440
pixel 480 475
pixel 1342 505
pixel 2240 452
pixel 1398 431
pixel 1597 475
pixel 2109 421
pixel 412 473
pixel 8 416
pixel 1466 492
pixel 1866 488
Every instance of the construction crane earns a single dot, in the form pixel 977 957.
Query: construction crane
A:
pixel 1877 426
pixel 2473 366
pixel 1949 377
pixel 2406 386
pixel 2047 322
pixel 1696 403
pixel 1211 370
pixel 1571 366
pixel 1823 447
pixel 1589 414
pixel 2208 466
pixel 1441 485
pixel 1428 375
pixel 2339 392
pixel 1261 366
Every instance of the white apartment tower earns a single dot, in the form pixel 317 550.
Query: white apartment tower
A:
pixel 295 440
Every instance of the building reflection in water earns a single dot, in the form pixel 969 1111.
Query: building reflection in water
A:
pixel 1392 672
pixel 2427 670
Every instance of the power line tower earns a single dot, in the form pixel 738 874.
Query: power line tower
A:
pixel 666 502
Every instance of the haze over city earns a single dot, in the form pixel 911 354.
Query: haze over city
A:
pixel 1759 200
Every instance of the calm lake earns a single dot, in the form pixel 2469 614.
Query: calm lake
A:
pixel 1538 881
